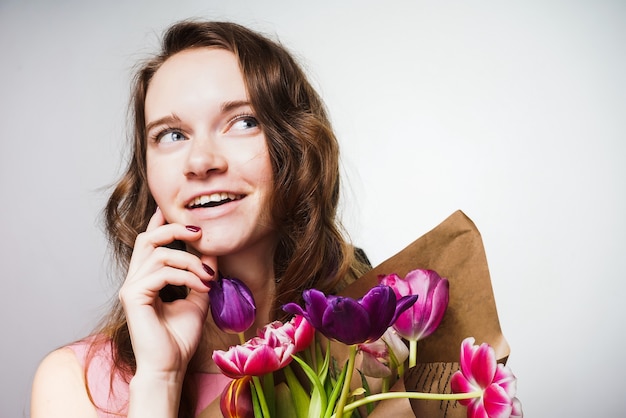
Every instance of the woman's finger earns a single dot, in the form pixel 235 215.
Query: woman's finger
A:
pixel 167 257
pixel 157 219
pixel 147 242
pixel 166 234
pixel 144 291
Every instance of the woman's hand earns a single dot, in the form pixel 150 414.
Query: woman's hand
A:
pixel 165 335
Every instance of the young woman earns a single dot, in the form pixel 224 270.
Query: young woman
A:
pixel 234 171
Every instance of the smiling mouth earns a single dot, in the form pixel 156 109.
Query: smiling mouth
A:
pixel 212 200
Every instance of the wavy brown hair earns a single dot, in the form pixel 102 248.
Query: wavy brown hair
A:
pixel 304 154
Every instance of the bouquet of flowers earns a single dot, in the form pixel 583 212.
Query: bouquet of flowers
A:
pixel 340 355
pixel 395 309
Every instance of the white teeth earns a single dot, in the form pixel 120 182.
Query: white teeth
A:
pixel 213 197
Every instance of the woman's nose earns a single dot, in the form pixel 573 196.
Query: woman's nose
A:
pixel 204 157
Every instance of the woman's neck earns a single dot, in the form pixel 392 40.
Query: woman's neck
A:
pixel 257 272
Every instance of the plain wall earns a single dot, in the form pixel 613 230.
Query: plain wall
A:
pixel 513 112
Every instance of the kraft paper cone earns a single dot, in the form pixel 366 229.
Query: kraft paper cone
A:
pixel 454 249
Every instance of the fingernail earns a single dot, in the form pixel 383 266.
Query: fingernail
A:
pixel 208 269
pixel 207 283
pixel 193 228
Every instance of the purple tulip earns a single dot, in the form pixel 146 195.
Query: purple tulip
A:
pixel 352 321
pixel 424 316
pixel 232 305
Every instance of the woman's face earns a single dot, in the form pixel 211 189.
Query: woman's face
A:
pixel 207 159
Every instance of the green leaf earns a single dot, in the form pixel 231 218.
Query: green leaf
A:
pixel 334 395
pixel 319 355
pixel 300 397
pixel 268 390
pixel 285 407
pixel 256 406
pixel 323 371
pixel 318 397
pixel 366 386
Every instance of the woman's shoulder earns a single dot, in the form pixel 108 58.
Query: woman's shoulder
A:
pixel 92 347
pixel 60 360
pixel 83 373
pixel 59 387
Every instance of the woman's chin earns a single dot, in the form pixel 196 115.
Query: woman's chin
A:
pixel 205 249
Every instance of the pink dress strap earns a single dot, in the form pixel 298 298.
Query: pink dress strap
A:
pixel 109 389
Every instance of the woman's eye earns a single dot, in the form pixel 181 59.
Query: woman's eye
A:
pixel 244 122
pixel 171 136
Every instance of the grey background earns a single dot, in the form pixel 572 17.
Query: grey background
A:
pixel 511 111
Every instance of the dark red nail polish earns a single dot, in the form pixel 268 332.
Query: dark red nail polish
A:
pixel 193 228
pixel 207 283
pixel 208 269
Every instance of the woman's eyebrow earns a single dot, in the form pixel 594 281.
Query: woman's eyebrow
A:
pixel 169 119
pixel 173 118
pixel 230 105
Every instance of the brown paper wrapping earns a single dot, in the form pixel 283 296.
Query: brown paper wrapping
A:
pixel 454 249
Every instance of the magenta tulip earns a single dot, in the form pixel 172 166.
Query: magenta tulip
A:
pixel 271 350
pixel 256 357
pixel 423 318
pixel 480 372
pixel 298 330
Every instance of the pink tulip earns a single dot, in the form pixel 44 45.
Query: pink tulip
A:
pixel 480 372
pixel 383 354
pixel 256 357
pixel 517 409
pixel 375 359
pixel 300 331
pixel 423 318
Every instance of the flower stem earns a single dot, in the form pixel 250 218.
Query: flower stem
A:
pixel 312 354
pixel 346 383
pixel 394 364
pixel 412 353
pixel 261 395
pixel 409 395
pixel 385 384
pixel 258 387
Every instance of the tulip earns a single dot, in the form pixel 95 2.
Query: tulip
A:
pixel 236 399
pixel 262 355
pixel 517 409
pixel 480 372
pixel 256 357
pixel 375 359
pixel 232 305
pixel 423 318
pixel 298 330
pixel 348 320
pixel 379 357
